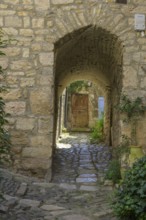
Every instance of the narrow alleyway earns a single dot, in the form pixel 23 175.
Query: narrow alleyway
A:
pixel 75 193
pixel 77 161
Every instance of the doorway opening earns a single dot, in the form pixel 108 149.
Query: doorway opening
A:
pixel 93 56
pixel 80 105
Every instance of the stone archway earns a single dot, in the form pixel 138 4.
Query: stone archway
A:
pixel 96 55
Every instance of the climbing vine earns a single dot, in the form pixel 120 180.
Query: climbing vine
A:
pixel 133 109
pixel 5 143
pixel 77 86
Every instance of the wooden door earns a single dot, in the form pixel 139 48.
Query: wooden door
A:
pixel 79 107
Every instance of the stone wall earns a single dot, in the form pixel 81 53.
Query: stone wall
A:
pixel 94 40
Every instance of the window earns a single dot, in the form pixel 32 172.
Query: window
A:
pixel 121 1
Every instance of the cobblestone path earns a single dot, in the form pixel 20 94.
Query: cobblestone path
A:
pixel 78 161
pixel 75 192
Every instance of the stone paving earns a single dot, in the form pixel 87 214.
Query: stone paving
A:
pixel 75 193
pixel 78 161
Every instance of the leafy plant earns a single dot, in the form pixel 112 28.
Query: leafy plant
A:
pixel 123 148
pixel 77 86
pixel 133 110
pixel 129 200
pixel 5 143
pixel 97 134
pixel 113 173
pixel 121 152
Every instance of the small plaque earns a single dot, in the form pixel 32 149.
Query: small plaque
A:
pixel 140 22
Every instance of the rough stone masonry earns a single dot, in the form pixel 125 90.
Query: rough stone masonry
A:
pixel 54 43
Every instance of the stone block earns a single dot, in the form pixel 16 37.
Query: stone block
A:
pixel 25 124
pixel 36 163
pixel 4 62
pixel 28 7
pixel 57 213
pixel 19 138
pixel 16 150
pixel 89 188
pixel 143 83
pixel 130 77
pixel 25 52
pixel 1 22
pixel 11 51
pixel 42 5
pixel 26 21
pixel 11 31
pixel 3 6
pixel 44 185
pixel 10 2
pixel 23 13
pixel 36 47
pixel 40 140
pixel 22 189
pixel 16 108
pixel 26 32
pixel 46 58
pixel 68 186
pixel 48 71
pixel 29 203
pixel 38 23
pixel 21 65
pixel 45 125
pixel 12 94
pixel 49 23
pixel 41 101
pixel 15 73
pixel 52 207
pixel 86 180
pixel 11 121
pixel 13 21
pixel 75 217
pixel 27 2
pixel 45 80
pixel 39 38
pixel 48 47
pixel 12 80
pixel 37 152
pixel 7 12
pixel 3 209
pixel 27 82
pixel 60 2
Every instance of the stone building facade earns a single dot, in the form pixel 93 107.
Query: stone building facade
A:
pixel 56 42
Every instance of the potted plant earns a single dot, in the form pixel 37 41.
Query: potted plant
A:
pixel 133 110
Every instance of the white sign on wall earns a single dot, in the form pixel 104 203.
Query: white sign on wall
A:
pixel 140 22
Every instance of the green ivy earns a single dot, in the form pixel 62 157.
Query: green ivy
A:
pixel 129 200
pixel 97 134
pixel 133 109
pixel 5 143
pixel 77 86
pixel 113 173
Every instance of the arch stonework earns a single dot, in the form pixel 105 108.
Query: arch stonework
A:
pixel 40 29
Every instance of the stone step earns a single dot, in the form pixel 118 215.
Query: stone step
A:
pixel 86 180
pixel 85 164
pixel 85 160
pixel 87 175
pixel 86 171
pixel 88 188
pixel 85 157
